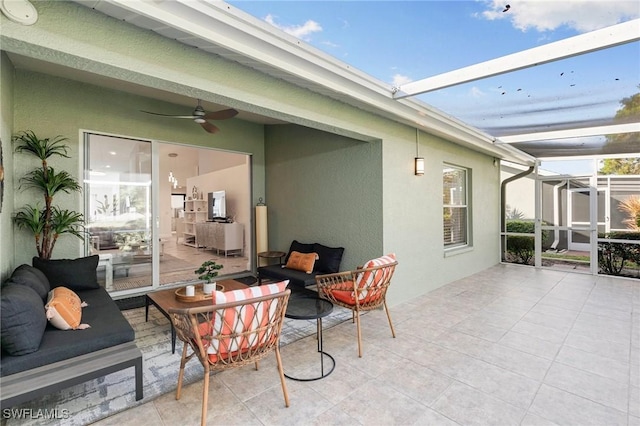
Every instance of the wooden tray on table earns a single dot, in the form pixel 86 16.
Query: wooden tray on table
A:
pixel 199 294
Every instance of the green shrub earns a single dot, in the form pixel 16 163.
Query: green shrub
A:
pixel 521 248
pixel 613 257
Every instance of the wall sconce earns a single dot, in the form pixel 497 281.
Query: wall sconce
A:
pixel 419 166
pixel 419 161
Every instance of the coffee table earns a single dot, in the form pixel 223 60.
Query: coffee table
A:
pixel 308 306
pixel 164 300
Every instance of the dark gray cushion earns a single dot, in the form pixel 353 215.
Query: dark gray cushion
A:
pixel 278 273
pixel 329 258
pixel 22 320
pixel 75 274
pixel 31 277
pixel 108 328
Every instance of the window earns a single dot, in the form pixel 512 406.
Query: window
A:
pixel 455 215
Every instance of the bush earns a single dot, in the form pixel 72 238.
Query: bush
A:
pixel 612 257
pixel 521 248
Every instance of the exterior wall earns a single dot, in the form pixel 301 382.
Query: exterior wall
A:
pixel 6 130
pixel 53 106
pixel 365 197
pixel 324 188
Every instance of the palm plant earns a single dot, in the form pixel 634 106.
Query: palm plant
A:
pixel 631 206
pixel 48 223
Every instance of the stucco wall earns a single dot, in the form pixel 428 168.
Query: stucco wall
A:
pixel 324 188
pixel 366 198
pixel 6 129
pixel 53 106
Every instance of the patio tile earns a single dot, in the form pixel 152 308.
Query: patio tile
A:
pixel 588 385
pixel 557 322
pixel 634 421
pixel 615 350
pixel 417 382
pixel 634 401
pixel 332 417
pixel 531 345
pixel 463 343
pixel 498 382
pixel 533 420
pixel 565 408
pixel 143 414
pixel 375 403
pixel 570 304
pixel 478 329
pixel 469 406
pixel 593 363
pixel 603 328
pixel 517 361
pixel 539 331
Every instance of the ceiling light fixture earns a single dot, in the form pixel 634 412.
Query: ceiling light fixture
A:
pixel 172 179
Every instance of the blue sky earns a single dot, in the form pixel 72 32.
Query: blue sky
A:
pixel 400 41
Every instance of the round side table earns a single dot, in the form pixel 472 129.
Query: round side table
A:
pixel 270 255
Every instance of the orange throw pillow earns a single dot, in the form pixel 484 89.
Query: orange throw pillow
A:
pixel 64 309
pixel 302 261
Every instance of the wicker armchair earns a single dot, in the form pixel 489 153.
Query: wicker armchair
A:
pixel 233 334
pixel 360 290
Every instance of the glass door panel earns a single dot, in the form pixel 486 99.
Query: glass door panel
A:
pixel 119 210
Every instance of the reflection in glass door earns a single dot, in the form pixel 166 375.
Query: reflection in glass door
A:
pixel 118 206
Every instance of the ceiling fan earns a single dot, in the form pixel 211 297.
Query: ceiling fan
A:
pixel 200 116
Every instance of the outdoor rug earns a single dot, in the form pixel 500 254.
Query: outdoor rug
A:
pixel 96 399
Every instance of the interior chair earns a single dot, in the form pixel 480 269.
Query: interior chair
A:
pixel 239 328
pixel 360 290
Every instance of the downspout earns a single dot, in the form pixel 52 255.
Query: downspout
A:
pixel 503 206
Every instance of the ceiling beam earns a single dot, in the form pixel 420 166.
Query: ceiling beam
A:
pixel 570 133
pixel 604 38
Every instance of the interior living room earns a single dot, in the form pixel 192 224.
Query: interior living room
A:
pixel 119 204
pixel 241 115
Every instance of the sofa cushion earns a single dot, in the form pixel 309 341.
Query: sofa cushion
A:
pixel 31 277
pixel 64 309
pixel 108 328
pixel 302 261
pixel 22 320
pixel 329 258
pixel 278 273
pixel 299 247
pixel 75 274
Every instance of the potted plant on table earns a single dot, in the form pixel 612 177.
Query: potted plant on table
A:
pixel 47 223
pixel 207 272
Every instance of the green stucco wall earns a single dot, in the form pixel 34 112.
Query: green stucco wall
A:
pixel 324 188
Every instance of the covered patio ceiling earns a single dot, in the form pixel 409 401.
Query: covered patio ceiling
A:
pixel 508 127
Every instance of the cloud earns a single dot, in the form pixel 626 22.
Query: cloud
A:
pixel 581 15
pixel 399 80
pixel 299 31
pixel 475 92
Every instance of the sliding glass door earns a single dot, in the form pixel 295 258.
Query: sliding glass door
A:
pixel 118 206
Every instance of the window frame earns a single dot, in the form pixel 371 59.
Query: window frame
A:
pixel 466 243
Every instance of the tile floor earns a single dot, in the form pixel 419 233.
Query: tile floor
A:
pixel 508 346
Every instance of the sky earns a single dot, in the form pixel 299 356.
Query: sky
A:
pixel 401 41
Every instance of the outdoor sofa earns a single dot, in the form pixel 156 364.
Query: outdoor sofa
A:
pixel 38 358
pixel 326 261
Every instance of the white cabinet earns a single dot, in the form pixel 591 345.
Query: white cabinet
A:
pixel 195 211
pixel 225 237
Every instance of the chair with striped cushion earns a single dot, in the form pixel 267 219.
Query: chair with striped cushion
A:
pixel 360 290
pixel 239 328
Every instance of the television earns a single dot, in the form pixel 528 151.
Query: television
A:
pixel 217 206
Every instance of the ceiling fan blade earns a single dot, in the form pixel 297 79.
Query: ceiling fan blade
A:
pixel 168 115
pixel 209 127
pixel 221 115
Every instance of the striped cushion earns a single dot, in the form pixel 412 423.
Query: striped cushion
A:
pixel 371 278
pixel 230 322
